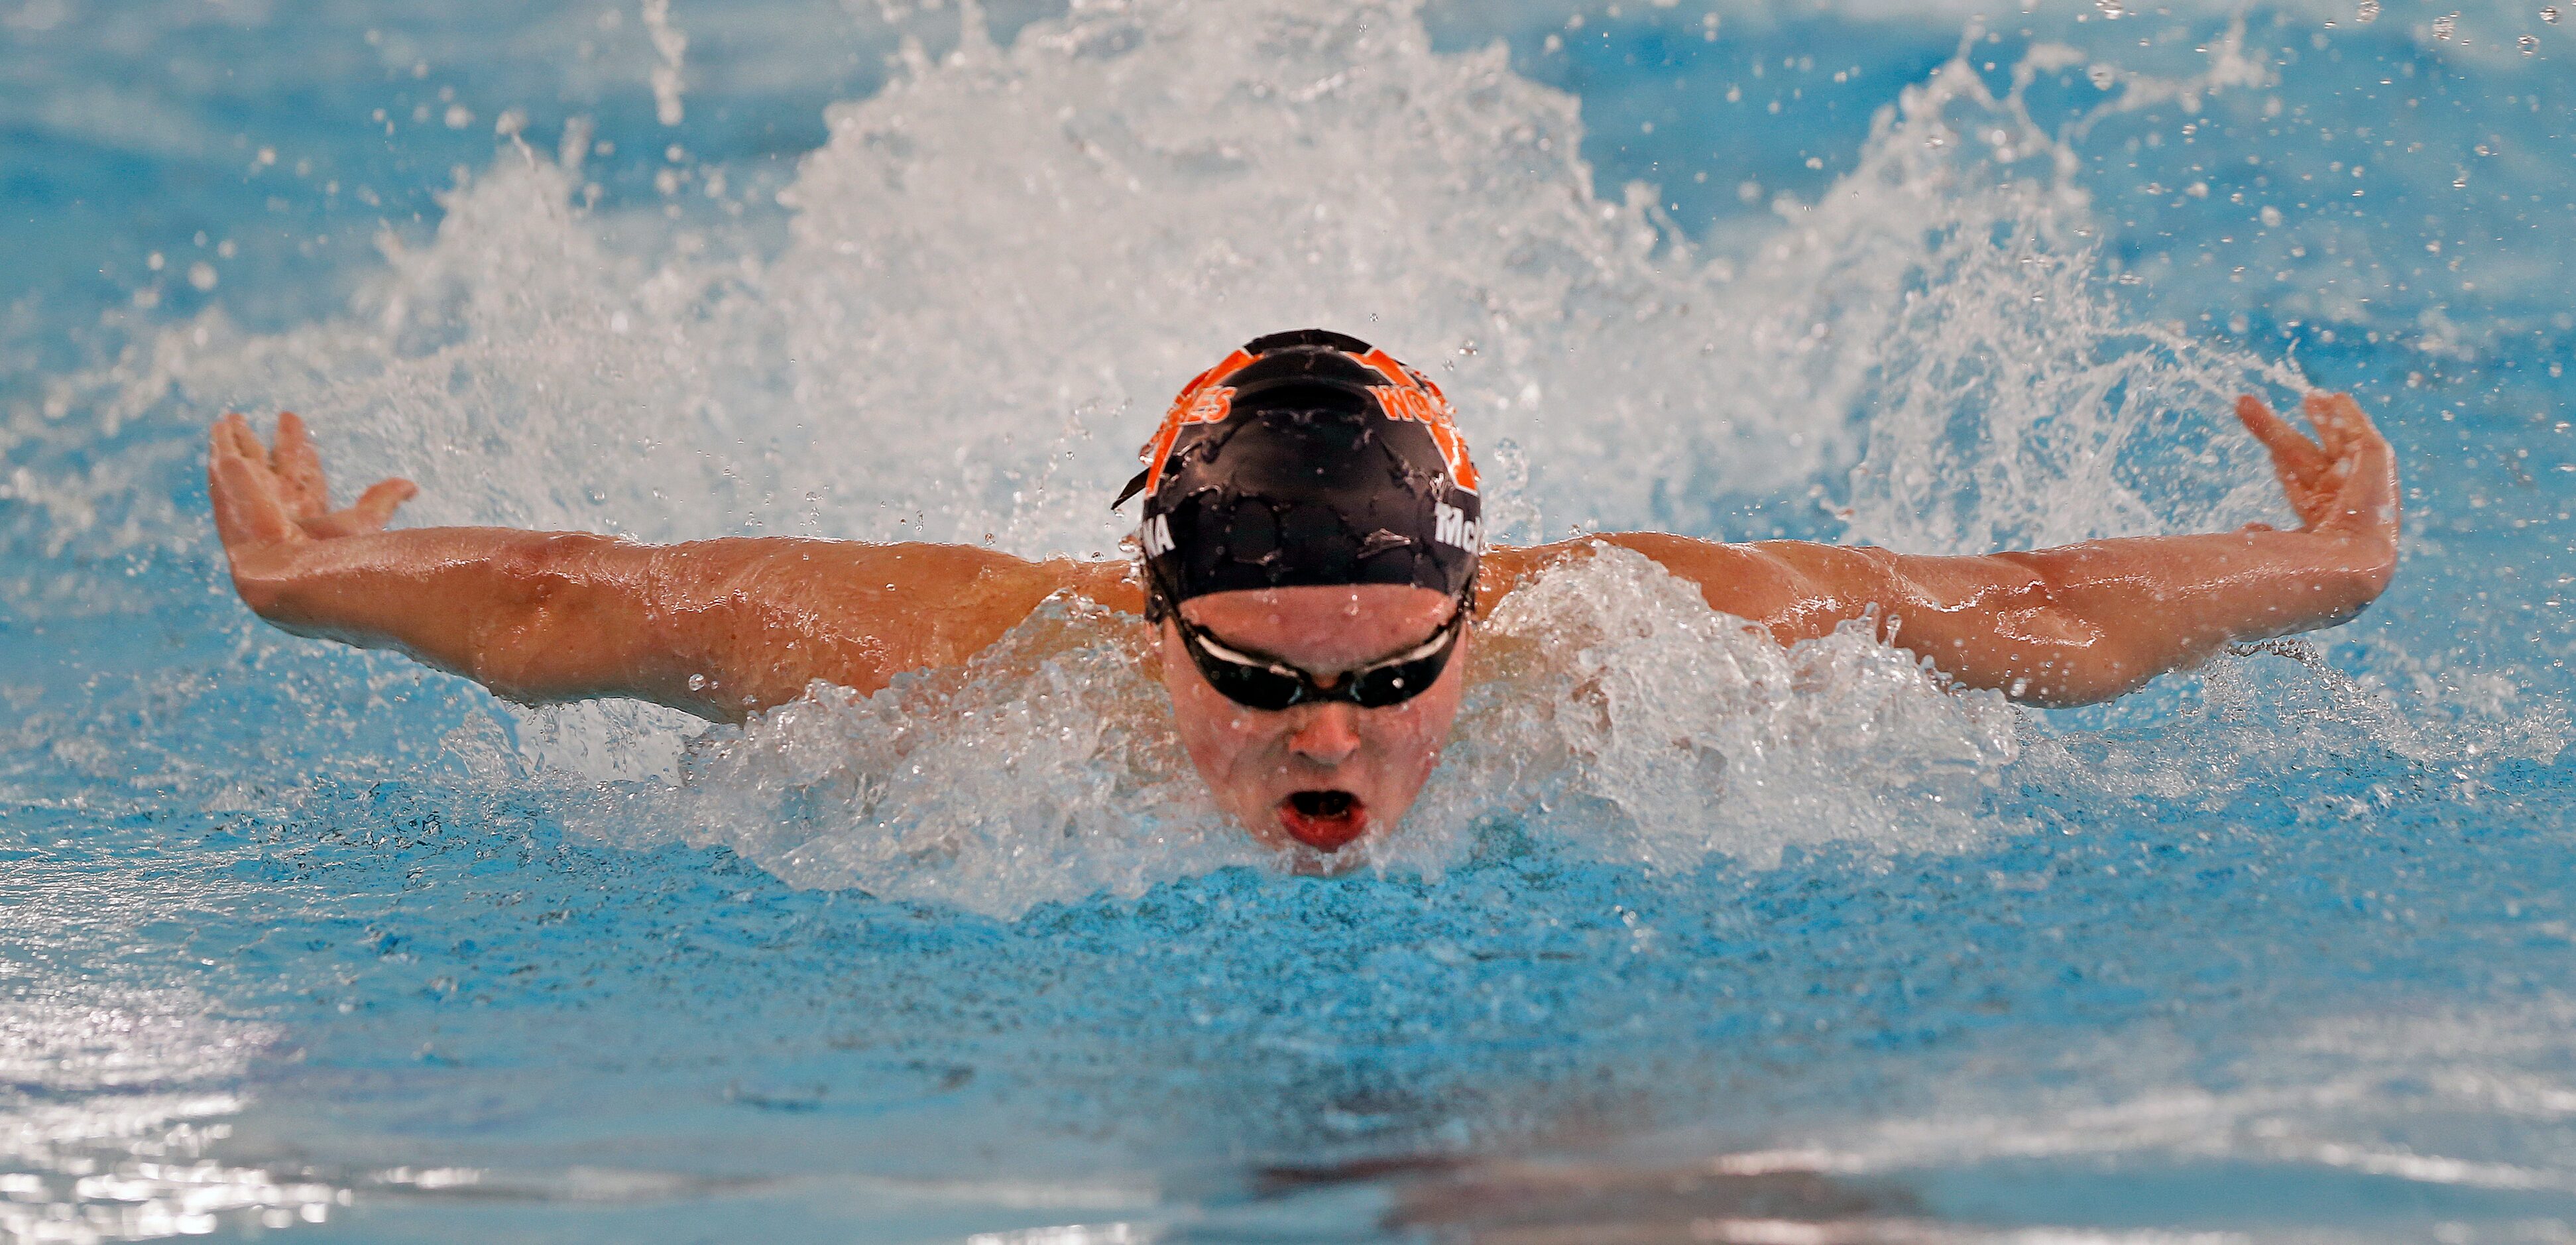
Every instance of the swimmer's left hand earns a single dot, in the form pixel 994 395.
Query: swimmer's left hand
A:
pixel 2343 484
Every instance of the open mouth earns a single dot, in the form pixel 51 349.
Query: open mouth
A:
pixel 1324 820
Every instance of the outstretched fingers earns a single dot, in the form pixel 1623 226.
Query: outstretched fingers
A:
pixel 2366 468
pixel 233 436
pixel 2327 411
pixel 2345 480
pixel 376 506
pixel 248 509
pixel 373 509
pixel 2341 425
pixel 266 495
pixel 2290 450
pixel 299 469
pixel 2302 468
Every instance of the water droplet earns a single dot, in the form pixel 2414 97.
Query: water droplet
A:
pixel 2445 25
pixel 2271 216
pixel 697 682
pixel 2111 9
pixel 2102 76
pixel 2550 15
pixel 2367 13
pixel 2529 43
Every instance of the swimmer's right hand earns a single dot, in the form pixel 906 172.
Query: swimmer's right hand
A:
pixel 719 628
pixel 270 503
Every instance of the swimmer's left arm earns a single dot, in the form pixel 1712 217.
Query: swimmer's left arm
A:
pixel 2091 621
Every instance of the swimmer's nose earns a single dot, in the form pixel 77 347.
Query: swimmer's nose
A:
pixel 1327 736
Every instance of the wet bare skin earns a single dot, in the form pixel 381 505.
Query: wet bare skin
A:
pixel 1255 762
pixel 724 628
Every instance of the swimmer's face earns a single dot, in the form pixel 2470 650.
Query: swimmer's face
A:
pixel 1321 774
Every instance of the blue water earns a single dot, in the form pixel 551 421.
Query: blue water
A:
pixel 308 941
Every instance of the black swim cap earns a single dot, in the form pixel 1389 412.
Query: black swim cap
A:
pixel 1307 458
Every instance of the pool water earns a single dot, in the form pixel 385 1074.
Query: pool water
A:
pixel 1690 939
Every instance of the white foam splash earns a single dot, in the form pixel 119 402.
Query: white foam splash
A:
pixel 1001 265
pixel 1607 699
pixel 997 270
pixel 1614 700
pixel 1045 769
pixel 2016 405
pixel 671 46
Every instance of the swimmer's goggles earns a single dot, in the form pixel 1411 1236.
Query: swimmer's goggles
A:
pixel 1265 683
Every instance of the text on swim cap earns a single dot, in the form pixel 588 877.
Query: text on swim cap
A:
pixel 1410 395
pixel 1157 535
pixel 1202 401
pixel 1451 526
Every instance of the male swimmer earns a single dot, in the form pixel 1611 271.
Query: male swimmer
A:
pixel 1314 564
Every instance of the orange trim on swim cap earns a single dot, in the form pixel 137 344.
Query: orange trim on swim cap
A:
pixel 1411 395
pixel 1407 395
pixel 1202 401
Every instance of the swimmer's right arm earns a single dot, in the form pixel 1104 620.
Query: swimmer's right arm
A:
pixel 718 628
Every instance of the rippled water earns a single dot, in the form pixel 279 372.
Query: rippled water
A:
pixel 1691 938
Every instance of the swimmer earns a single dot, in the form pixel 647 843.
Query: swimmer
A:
pixel 1312 559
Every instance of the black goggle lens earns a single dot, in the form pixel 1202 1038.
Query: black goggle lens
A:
pixel 1268 689
pixel 1249 686
pixel 1393 685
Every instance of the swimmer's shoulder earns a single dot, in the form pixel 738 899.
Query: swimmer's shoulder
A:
pixel 999 590
pixel 915 604
pixel 971 580
pixel 1109 582
pixel 1760 582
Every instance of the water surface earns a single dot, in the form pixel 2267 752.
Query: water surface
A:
pixel 1690 939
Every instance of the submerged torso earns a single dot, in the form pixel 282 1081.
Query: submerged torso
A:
pixel 1601 690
